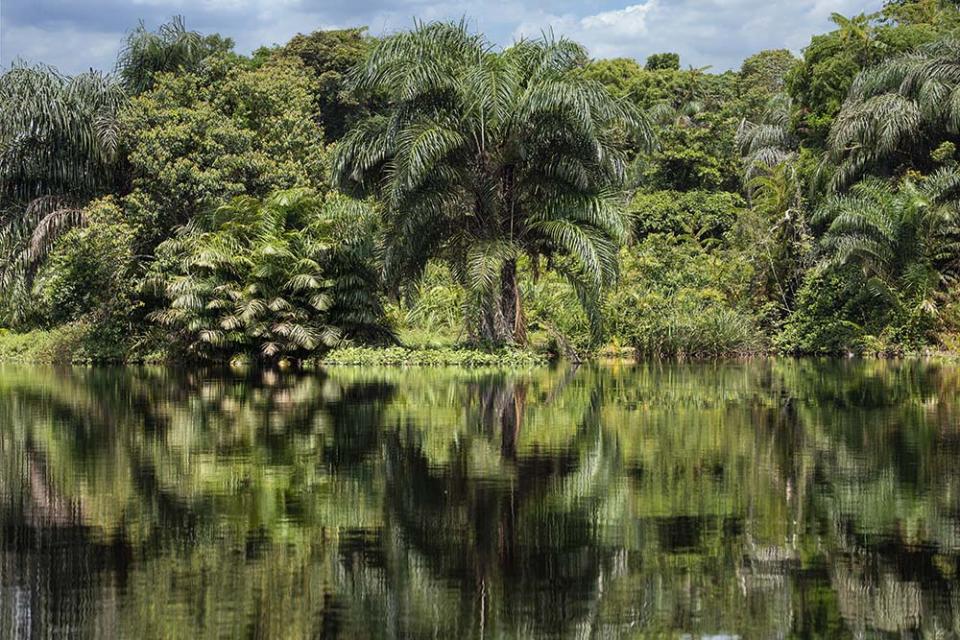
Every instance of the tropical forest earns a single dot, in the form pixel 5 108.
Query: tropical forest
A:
pixel 427 196
pixel 400 333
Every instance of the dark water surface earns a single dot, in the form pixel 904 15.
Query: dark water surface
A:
pixel 762 500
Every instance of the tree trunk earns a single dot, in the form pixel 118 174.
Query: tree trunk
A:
pixel 501 320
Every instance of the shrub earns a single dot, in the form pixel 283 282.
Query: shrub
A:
pixel 820 324
pixel 90 269
pixel 259 278
pixel 676 298
pixel 702 213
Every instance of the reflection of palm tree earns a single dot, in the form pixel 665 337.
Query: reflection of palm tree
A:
pixel 522 542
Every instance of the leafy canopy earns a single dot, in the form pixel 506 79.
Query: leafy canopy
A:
pixel 198 139
pixel 898 112
pixel 170 48
pixel 331 54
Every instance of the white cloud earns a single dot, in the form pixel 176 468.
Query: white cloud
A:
pixel 607 33
pixel 715 33
pixel 627 22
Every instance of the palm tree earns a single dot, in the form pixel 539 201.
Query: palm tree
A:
pixel 171 48
pixel 485 156
pixel 776 228
pixel 898 111
pixel 665 113
pixel 906 241
pixel 764 145
pixel 58 148
pixel 254 277
pixel 856 34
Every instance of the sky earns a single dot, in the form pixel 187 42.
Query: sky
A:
pixel 75 35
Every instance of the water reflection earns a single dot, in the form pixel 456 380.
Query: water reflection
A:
pixel 768 499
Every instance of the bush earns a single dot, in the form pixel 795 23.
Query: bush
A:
pixel 263 280
pixel 80 342
pixel 820 324
pixel 677 299
pixel 556 321
pixel 692 327
pixel 432 311
pixel 90 270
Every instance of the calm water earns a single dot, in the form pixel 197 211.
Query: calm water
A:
pixel 762 500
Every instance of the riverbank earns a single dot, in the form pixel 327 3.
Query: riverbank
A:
pixel 83 343
pixel 79 344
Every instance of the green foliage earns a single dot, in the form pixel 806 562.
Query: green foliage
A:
pixel 496 185
pixel 90 270
pixel 556 319
pixel 355 270
pixel 58 148
pixel 399 356
pixel 903 240
pixel 84 341
pixel 663 61
pixel 705 214
pixel 676 298
pixel 332 54
pixel 198 139
pixel 763 75
pixel 776 236
pixel 691 157
pixel 647 88
pixel 819 84
pixel 172 48
pixel 821 323
pixel 695 133
pixel 885 282
pixel 432 309
pixel 767 141
pixel 898 113
pixel 254 278
pixel 38 346
pixel 483 157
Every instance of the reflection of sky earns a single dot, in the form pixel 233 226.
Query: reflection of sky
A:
pixel 75 35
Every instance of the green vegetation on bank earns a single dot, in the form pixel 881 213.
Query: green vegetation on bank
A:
pixel 432 357
pixel 425 190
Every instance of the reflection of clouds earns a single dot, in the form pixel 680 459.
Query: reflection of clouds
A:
pixel 721 33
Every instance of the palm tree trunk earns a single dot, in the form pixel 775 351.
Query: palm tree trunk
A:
pixel 510 303
pixel 502 321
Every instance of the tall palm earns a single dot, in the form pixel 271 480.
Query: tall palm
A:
pixel 484 156
pixel 898 111
pixel 170 48
pixel 765 144
pixel 776 228
pixel 906 241
pixel 58 144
